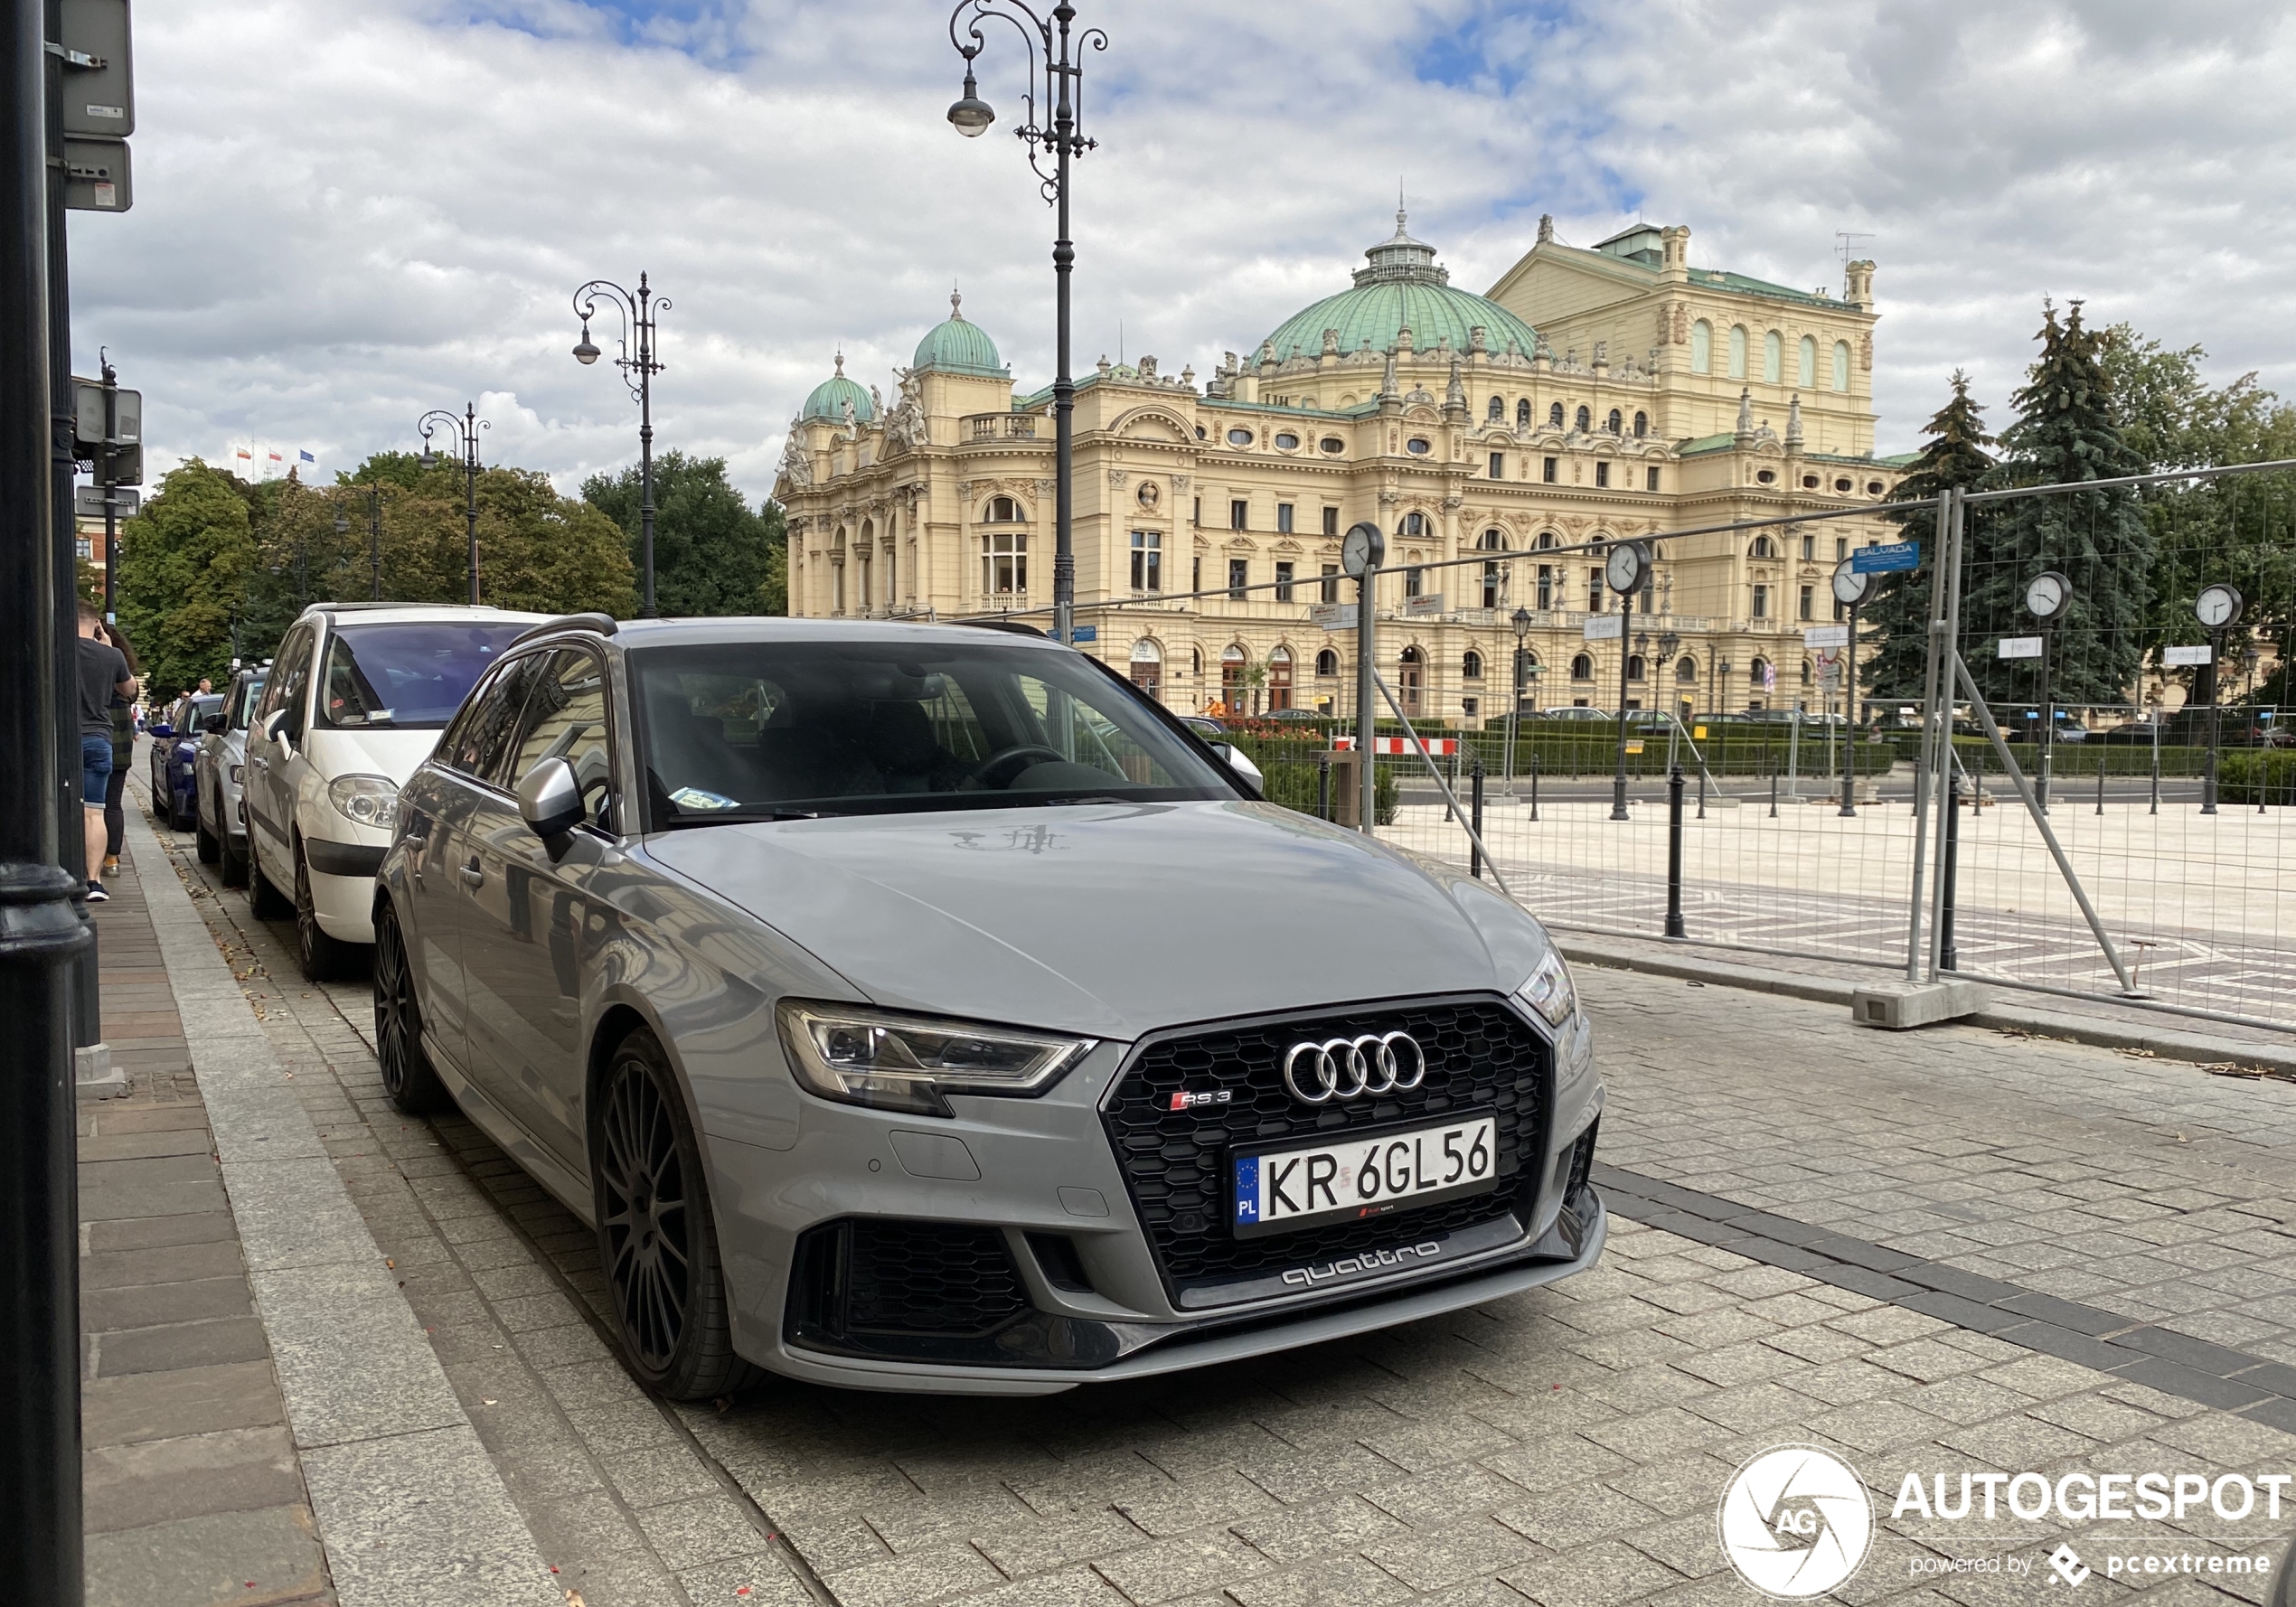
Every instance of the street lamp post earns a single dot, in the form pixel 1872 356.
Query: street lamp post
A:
pixel 1048 42
pixel 638 311
pixel 468 425
pixel 1521 621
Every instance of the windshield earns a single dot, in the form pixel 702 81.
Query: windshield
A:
pixel 407 676
pixel 196 708
pixel 765 730
pixel 243 705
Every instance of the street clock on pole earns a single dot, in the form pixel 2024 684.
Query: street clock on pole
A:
pixel 2217 606
pixel 1363 549
pixel 2048 596
pixel 1850 586
pixel 1625 567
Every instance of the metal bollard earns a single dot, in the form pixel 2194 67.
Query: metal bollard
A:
pixel 1323 786
pixel 1475 810
pixel 1948 959
pixel 2100 781
pixel 1534 788
pixel 1774 793
pixel 1674 854
pixel 1702 791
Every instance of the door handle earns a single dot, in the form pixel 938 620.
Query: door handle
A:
pixel 473 874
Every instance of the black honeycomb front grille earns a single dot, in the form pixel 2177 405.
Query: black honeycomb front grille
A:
pixel 885 1276
pixel 1480 1056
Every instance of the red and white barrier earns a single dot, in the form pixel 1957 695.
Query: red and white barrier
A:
pixel 1444 746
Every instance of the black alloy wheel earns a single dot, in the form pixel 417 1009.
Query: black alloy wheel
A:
pixel 263 896
pixel 407 1074
pixel 656 1234
pixel 233 867
pixel 323 958
pixel 210 848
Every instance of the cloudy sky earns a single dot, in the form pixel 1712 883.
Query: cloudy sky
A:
pixel 348 211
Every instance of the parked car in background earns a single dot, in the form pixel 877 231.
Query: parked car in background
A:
pixel 853 983
pixel 358 693
pixel 2189 727
pixel 174 749
pixel 1224 748
pixel 217 778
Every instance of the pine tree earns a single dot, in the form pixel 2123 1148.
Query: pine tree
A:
pixel 2067 430
pixel 1898 614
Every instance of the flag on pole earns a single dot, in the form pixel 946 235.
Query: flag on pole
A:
pixel 305 456
pixel 275 457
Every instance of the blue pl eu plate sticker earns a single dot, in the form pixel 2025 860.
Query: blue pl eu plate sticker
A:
pixel 1247 1189
pixel 694 797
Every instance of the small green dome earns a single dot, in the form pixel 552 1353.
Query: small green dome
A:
pixel 1402 288
pixel 957 345
pixel 830 397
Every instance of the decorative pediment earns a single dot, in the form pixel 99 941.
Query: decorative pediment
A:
pixel 1150 423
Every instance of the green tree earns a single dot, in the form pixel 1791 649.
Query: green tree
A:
pixel 713 553
pixel 1953 455
pixel 185 561
pixel 2067 429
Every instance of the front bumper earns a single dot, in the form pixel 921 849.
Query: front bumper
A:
pixel 1024 1202
pixel 342 887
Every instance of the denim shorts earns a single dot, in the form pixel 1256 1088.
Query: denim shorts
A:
pixel 95 769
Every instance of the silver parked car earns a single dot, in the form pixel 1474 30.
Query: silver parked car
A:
pixel 921 1008
pixel 219 778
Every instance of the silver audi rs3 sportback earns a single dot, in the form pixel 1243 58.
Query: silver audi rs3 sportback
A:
pixel 923 1008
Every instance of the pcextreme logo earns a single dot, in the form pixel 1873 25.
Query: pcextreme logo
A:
pixel 1795 1521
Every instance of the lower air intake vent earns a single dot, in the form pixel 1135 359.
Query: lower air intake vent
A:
pixel 873 1275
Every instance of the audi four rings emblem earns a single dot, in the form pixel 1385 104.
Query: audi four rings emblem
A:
pixel 1346 1068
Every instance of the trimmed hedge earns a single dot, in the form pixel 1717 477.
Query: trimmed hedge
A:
pixel 2257 775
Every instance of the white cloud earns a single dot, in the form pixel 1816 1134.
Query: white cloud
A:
pixel 349 213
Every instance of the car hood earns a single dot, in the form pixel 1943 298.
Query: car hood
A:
pixel 1113 919
pixel 339 750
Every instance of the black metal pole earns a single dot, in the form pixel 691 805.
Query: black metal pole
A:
pixel 645 442
pixel 1849 720
pixel 2048 727
pixel 41 934
pixel 374 537
pixel 2208 775
pixel 1534 786
pixel 1474 806
pixel 470 491
pixel 1323 786
pixel 1948 955
pixel 1064 389
pixel 1674 854
pixel 2100 781
pixel 1626 647
pixel 107 466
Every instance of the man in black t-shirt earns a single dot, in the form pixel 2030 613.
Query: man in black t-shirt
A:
pixel 103 676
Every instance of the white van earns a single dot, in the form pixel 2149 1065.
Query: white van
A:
pixel 358 695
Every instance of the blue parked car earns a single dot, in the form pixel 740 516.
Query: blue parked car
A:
pixel 174 749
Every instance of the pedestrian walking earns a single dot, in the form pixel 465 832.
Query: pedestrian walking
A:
pixel 104 678
pixel 123 751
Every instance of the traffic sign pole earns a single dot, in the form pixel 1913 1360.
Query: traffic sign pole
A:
pixel 1849 722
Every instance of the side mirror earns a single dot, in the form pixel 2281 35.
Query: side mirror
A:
pixel 163 729
pixel 272 723
pixel 214 725
pixel 549 799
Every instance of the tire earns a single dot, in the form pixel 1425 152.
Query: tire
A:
pixel 209 847
pixel 179 819
pixel 323 959
pixel 162 806
pixel 407 1074
pixel 663 1274
pixel 263 896
pixel 231 864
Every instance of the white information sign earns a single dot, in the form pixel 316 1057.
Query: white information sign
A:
pixel 2020 648
pixel 2174 657
pixel 1826 635
pixel 1333 617
pixel 1422 608
pixel 1605 627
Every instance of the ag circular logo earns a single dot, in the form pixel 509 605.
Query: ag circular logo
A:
pixel 1795 1521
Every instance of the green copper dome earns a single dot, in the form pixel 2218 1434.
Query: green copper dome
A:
pixel 830 397
pixel 1402 288
pixel 959 345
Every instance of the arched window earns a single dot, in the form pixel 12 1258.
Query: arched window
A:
pixel 1738 350
pixel 1581 667
pixel 1522 414
pixel 1841 365
pixel 1701 347
pixel 1492 540
pixel 1327 664
pixel 1546 543
pixel 1414 524
pixel 1805 672
pixel 1615 423
pixel 1147 666
pixel 1234 678
pixel 1411 680
pixel 1002 510
pixel 1471 666
pixel 1809 362
pixel 1774 357
pixel 1687 672
pixel 1554 417
pixel 1583 420
pixel 1279 678
pixel 1758 673
pixel 1763 547
pixel 1636 669
pixel 1196 663
pixel 1498 414
pixel 1641 424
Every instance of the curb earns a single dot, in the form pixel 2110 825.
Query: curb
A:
pixel 411 1508
pixel 2168 1044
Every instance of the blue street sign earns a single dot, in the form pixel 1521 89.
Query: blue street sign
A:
pixel 1084 633
pixel 1886 560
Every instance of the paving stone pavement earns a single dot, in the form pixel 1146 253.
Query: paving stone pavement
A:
pixel 1566 1446
pixel 192 1490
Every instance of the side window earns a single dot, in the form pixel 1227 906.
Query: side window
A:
pixel 567 718
pixel 290 679
pixel 475 743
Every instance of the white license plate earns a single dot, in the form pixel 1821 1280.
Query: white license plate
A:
pixel 1278 1189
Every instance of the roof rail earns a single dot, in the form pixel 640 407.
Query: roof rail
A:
pixel 1010 626
pixel 603 624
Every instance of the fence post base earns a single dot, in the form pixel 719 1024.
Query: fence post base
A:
pixel 1474 804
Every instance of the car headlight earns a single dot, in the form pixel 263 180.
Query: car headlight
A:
pixel 908 1063
pixel 1549 991
pixel 365 800
pixel 238 773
